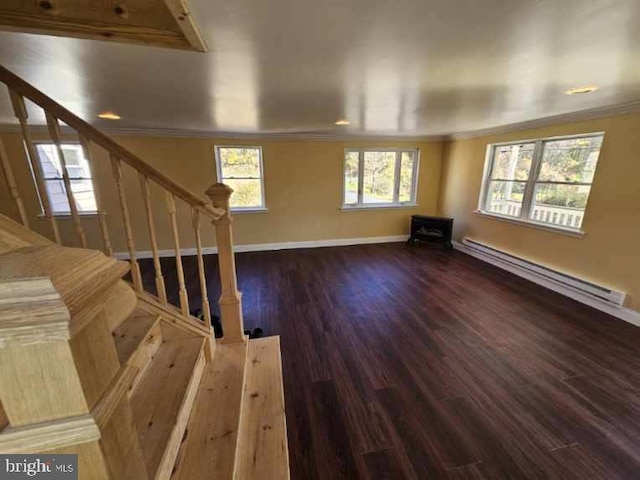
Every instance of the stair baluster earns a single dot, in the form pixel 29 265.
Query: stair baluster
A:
pixel 89 138
pixel 135 268
pixel 195 214
pixel 20 111
pixel 182 290
pixel 54 132
pixel 146 193
pixel 102 213
pixel 110 353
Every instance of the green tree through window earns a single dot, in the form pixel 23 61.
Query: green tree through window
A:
pixel 383 177
pixel 241 169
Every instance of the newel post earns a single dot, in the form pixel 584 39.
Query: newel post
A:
pixel 230 299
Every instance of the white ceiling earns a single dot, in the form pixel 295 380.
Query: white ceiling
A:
pixel 392 67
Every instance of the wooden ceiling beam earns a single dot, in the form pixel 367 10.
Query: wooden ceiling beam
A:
pixel 163 23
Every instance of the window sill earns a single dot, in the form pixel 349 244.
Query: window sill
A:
pixel 540 226
pixel 235 211
pixel 68 215
pixel 353 208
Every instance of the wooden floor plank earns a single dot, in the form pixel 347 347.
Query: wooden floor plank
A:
pixel 383 465
pixel 331 446
pixel 528 382
pixel 209 445
pixel 262 445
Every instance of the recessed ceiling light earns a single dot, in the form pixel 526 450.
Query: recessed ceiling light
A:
pixel 579 90
pixel 109 115
pixel 343 122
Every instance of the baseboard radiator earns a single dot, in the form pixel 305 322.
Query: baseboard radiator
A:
pixel 597 296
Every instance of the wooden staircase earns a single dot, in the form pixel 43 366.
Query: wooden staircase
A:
pixel 94 365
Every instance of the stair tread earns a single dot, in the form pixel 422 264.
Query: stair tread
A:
pixel 157 401
pixel 132 332
pixel 208 450
pixel 14 235
pixel 262 446
pixel 77 274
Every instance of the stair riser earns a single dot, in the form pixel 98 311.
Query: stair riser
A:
pixel 120 302
pixel 144 355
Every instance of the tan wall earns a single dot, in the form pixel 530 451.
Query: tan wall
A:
pixel 303 182
pixel 609 253
pixel 303 185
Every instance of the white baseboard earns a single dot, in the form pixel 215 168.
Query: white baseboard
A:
pixel 261 247
pixel 622 313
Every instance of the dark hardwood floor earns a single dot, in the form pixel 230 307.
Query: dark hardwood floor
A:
pixel 410 362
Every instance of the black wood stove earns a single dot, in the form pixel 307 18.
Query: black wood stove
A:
pixel 431 229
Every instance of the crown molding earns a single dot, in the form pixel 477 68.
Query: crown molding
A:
pixel 580 116
pixel 181 133
pixel 303 136
pixel 34 129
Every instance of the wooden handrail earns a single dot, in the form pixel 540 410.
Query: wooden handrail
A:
pixel 89 132
pixel 217 209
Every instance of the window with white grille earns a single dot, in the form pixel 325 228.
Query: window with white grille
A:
pixel 241 169
pixel 380 177
pixel 545 181
pixel 79 175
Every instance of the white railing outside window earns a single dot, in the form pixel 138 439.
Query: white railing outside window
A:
pixel 543 181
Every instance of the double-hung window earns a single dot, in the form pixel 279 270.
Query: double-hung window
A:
pixel 545 181
pixel 380 177
pixel 241 169
pixel 79 174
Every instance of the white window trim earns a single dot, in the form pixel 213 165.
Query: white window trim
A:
pixel 396 188
pixel 86 213
pixel 262 208
pixel 534 172
pixel 241 210
pixel 377 206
